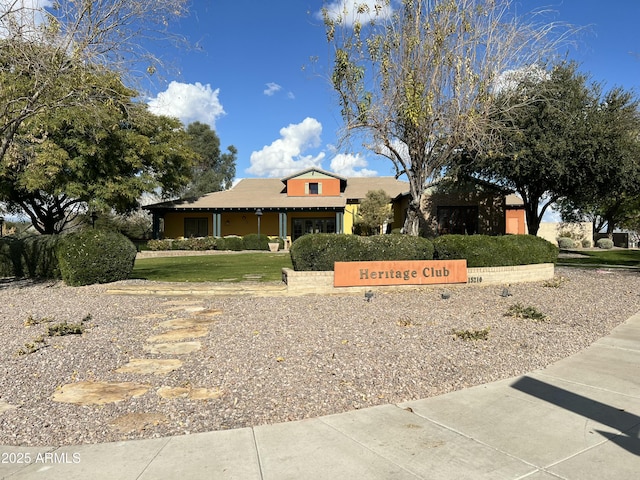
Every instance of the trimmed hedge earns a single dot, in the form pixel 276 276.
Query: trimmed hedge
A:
pixel 33 257
pixel 39 256
pixel 486 251
pixel 95 256
pixel 318 252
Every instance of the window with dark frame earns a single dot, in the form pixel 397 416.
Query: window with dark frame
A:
pixel 196 227
pixel 458 220
pixel 313 188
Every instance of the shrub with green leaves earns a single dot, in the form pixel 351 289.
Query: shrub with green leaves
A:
pixel 33 256
pixel 155 245
pixel 11 257
pixel 95 256
pixel 233 243
pixel 604 243
pixel 318 252
pixel 253 241
pixel 566 243
pixel 486 251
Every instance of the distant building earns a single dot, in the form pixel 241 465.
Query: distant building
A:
pixel 316 201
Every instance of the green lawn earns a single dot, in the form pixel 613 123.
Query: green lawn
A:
pixel 264 267
pixel 629 258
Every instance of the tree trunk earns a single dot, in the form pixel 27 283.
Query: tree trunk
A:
pixel 533 220
pixel 412 221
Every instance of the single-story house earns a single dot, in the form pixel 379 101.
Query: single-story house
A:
pixel 317 201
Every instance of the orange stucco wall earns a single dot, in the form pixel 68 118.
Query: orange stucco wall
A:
pixel 330 187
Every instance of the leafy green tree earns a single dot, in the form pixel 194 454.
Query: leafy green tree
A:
pixel 63 162
pixel 611 198
pixel 213 170
pixel 374 210
pixel 562 141
pixel 543 135
pixel 41 51
pixel 416 81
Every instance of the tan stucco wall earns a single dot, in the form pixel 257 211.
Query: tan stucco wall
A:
pixel 550 231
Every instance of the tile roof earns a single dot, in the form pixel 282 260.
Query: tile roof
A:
pixel 252 193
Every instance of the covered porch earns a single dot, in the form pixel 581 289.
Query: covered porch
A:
pixel 288 224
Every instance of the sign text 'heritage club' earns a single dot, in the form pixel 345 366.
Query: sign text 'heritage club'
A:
pixel 405 272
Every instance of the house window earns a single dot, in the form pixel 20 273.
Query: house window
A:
pixel 313 188
pixel 196 227
pixel 302 226
pixel 458 220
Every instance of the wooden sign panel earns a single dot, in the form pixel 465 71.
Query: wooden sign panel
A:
pixel 402 272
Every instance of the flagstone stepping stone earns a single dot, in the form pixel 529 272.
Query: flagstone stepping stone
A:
pixel 5 407
pixel 209 313
pixel 98 393
pixel 185 323
pixel 188 309
pixel 178 348
pixel 150 366
pixel 179 334
pixel 150 316
pixel 174 303
pixel 132 422
pixel 252 276
pixel 191 393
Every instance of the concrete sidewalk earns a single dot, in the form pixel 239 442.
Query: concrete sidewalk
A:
pixel 578 419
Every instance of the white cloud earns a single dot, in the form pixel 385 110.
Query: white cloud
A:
pixel 364 11
pixel 271 89
pixel 284 156
pixel 345 165
pixel 189 103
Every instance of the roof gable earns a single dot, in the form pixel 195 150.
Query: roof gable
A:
pixel 313 173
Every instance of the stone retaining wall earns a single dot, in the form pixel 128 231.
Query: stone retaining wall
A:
pixel 322 282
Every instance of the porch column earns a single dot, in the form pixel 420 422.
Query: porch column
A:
pixel 339 222
pixel 217 225
pixel 282 225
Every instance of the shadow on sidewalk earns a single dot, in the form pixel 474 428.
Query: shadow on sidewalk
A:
pixel 616 418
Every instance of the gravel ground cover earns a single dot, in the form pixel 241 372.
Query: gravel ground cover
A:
pixel 275 359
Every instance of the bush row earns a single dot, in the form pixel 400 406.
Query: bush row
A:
pixel 318 252
pixel 32 257
pixel 248 242
pixel 486 251
pixel 82 258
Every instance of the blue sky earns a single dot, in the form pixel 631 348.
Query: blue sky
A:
pixel 252 79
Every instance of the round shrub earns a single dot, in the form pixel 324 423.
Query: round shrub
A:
pixel 253 241
pixel 566 243
pixel 605 243
pixel 486 251
pixel 318 252
pixel 233 243
pixel 95 256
